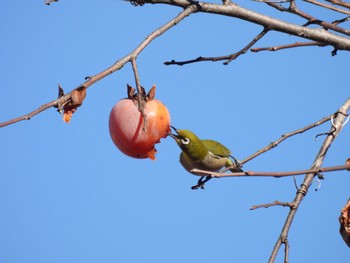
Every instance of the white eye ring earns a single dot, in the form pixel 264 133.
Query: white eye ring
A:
pixel 185 141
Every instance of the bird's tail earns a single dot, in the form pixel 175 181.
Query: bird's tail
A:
pixel 236 166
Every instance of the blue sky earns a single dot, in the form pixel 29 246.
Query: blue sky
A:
pixel 68 195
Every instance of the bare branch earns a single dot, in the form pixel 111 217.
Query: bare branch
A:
pixel 301 193
pixel 300 44
pixel 340 10
pixel 340 3
pixel 286 136
pixel 339 21
pixel 275 203
pixel 29 115
pixel 311 20
pixel 247 47
pixel 234 10
pixel 228 58
pixel 296 44
pixel 272 174
pixel 338 121
pixel 116 66
pixel 198 59
pixel 286 249
pixel 49 2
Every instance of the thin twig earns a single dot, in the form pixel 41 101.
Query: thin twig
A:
pixel 234 10
pixel 294 45
pixel 49 2
pixel 339 21
pixel 340 10
pixel 286 249
pixel 340 3
pixel 247 47
pixel 272 174
pixel 116 66
pixel 309 178
pixel 287 135
pixel 228 58
pixel 281 139
pixel 275 203
pixel 311 20
pixel 28 116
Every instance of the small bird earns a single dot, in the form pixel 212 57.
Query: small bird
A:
pixel 206 155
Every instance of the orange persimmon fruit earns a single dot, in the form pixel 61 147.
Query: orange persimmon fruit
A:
pixel 130 133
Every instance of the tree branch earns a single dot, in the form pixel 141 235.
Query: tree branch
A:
pixel 234 10
pixel 340 3
pixel 330 7
pixel 49 2
pixel 311 20
pixel 301 193
pixel 294 45
pixel 338 121
pixel 228 58
pixel 116 66
pixel 272 174
pixel 276 203
pixel 31 114
pixel 286 136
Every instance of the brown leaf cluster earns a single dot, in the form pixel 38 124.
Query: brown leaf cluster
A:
pixel 77 97
pixel 344 221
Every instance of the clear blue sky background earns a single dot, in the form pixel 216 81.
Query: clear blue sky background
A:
pixel 68 195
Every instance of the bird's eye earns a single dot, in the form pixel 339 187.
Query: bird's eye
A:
pixel 185 141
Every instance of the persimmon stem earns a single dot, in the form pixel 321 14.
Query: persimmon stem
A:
pixel 141 95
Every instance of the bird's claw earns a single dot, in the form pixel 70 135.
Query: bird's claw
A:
pixel 237 162
pixel 197 186
pixel 201 182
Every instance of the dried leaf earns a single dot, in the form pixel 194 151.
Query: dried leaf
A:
pixel 344 221
pixel 151 94
pixel 131 92
pixel 67 115
pixel 60 91
pixel 76 100
pixel 60 95
pixel 77 97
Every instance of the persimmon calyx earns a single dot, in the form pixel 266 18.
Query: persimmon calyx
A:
pixel 133 95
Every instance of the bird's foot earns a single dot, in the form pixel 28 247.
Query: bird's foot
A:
pixel 238 164
pixel 197 186
pixel 201 182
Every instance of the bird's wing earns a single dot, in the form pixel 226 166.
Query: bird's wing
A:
pixel 217 148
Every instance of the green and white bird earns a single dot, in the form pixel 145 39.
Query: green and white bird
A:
pixel 206 155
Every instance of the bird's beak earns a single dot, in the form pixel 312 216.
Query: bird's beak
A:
pixel 174 129
pixel 172 135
